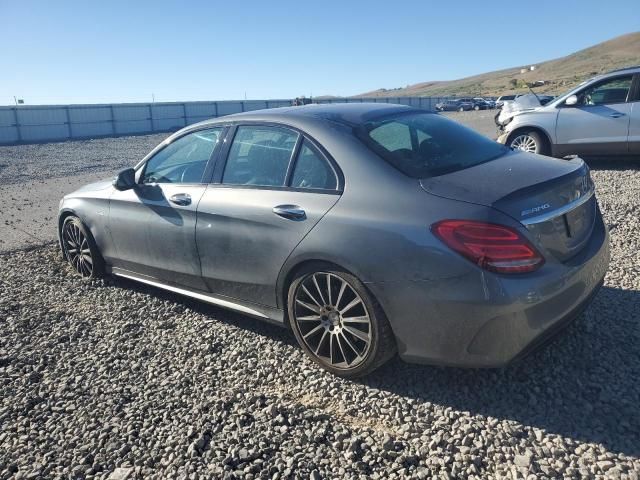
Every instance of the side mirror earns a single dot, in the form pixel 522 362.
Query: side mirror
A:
pixel 125 180
pixel 571 100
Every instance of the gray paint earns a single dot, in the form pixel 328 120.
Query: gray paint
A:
pixel 232 249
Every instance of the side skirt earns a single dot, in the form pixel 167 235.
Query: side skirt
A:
pixel 272 315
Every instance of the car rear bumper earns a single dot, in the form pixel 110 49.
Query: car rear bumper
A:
pixel 487 320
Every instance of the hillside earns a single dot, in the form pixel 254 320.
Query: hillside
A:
pixel 561 73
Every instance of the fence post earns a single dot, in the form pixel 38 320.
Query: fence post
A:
pixel 113 120
pixel 18 131
pixel 184 112
pixel 68 121
pixel 215 104
pixel 151 116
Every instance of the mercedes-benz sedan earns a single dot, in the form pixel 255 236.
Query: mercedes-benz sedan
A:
pixel 368 229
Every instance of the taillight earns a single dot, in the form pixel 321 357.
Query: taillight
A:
pixel 493 247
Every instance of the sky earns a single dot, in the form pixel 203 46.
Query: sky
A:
pixel 61 52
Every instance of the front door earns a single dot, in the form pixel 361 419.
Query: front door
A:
pixel 275 186
pixel 599 123
pixel 153 225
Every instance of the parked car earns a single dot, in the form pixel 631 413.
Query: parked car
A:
pixel 504 98
pixel 484 103
pixel 457 105
pixel 599 117
pixel 365 228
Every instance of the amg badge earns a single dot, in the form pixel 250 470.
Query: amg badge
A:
pixel 537 209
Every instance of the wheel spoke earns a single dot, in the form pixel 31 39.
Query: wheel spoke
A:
pixel 331 348
pixel 313 330
pixel 344 357
pixel 357 333
pixel 315 282
pixel 344 337
pixel 342 289
pixel 351 304
pixel 311 296
pixel 309 318
pixel 364 319
pixel 324 335
pixel 308 306
pixel 329 288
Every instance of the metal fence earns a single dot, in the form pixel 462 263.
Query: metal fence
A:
pixel 40 123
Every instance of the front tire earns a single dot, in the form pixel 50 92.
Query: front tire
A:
pixel 80 249
pixel 530 141
pixel 338 323
pixel 476 108
pixel 461 109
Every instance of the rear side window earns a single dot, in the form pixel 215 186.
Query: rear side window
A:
pixel 423 145
pixel 259 156
pixel 312 170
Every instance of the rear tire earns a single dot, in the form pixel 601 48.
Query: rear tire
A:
pixel 476 108
pixel 337 322
pixel 80 249
pixel 530 141
pixel 461 109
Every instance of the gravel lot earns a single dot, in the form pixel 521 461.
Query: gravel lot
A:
pixel 111 378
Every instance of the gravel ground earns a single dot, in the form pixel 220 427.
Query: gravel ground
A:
pixel 113 379
pixel 40 161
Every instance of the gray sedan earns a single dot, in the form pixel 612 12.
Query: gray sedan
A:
pixel 368 229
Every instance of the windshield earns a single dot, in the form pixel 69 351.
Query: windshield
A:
pixel 423 145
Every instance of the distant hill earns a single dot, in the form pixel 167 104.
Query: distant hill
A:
pixel 561 73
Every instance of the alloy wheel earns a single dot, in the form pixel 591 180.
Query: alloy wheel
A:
pixel 525 143
pixel 76 247
pixel 333 320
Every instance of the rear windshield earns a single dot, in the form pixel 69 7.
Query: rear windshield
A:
pixel 423 145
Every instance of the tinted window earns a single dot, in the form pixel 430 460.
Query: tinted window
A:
pixel 183 160
pixel 312 170
pixel 393 135
pixel 614 90
pixel 436 145
pixel 259 156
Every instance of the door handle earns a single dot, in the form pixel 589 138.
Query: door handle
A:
pixel 292 212
pixel 181 199
pixel 616 115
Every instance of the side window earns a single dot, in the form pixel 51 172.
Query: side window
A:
pixel 183 160
pixel 393 136
pixel 614 90
pixel 259 156
pixel 312 170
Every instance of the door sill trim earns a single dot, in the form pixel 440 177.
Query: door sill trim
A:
pixel 188 293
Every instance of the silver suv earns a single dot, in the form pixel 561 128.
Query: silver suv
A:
pixel 599 117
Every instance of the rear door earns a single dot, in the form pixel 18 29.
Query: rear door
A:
pixel 634 120
pixel 273 188
pixel 599 123
pixel 153 225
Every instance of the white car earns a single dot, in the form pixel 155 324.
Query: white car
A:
pixel 600 117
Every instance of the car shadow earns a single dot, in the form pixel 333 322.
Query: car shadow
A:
pixel 613 163
pixel 584 385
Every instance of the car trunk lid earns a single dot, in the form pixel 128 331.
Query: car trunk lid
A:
pixel 552 198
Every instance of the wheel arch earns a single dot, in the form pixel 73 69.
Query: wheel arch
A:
pixel 62 216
